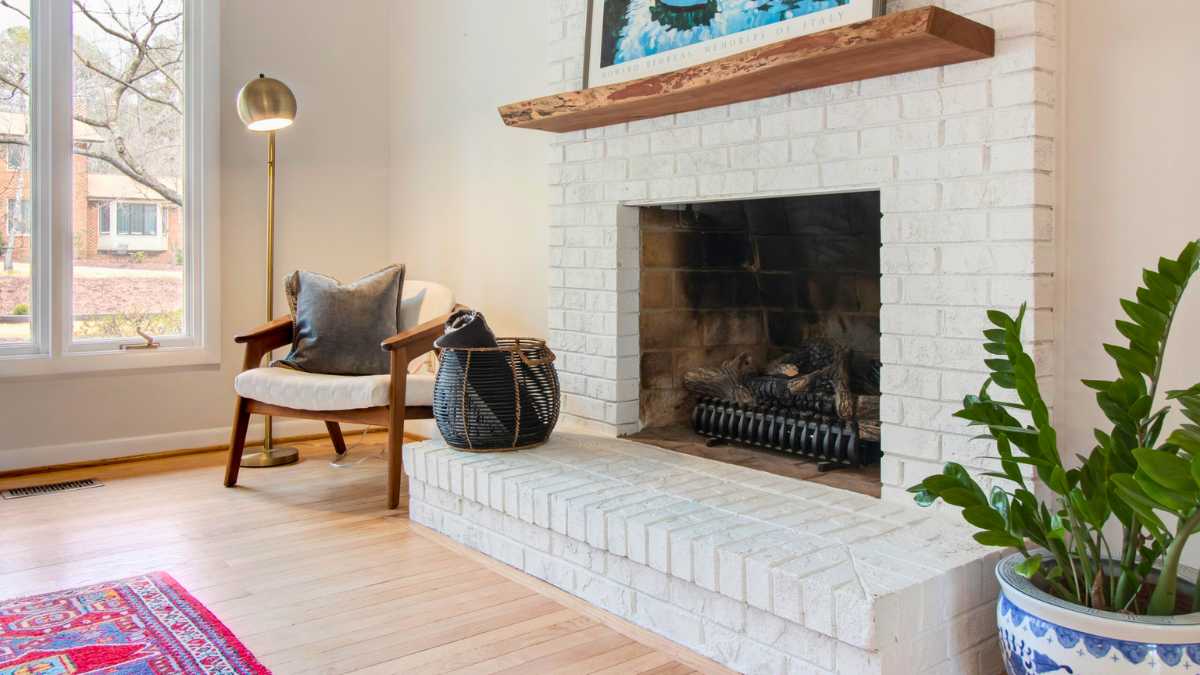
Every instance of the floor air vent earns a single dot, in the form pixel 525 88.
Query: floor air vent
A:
pixel 51 488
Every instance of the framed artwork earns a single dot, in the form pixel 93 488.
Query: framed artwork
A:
pixel 628 39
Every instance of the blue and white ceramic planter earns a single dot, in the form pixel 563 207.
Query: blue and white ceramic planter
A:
pixel 1042 634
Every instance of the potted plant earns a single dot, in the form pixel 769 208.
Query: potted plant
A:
pixel 1095 584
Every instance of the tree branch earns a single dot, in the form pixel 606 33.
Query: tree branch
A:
pixel 16 86
pixel 131 39
pixel 18 10
pixel 127 83
pixel 119 163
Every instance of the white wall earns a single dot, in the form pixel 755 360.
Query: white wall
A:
pixel 1129 168
pixel 470 205
pixel 1127 163
pixel 333 210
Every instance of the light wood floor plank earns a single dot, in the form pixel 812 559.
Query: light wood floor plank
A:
pixel 308 569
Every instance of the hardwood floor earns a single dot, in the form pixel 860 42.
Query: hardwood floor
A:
pixel 309 570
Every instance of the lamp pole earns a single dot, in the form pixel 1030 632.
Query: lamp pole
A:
pixel 267 445
pixel 266 104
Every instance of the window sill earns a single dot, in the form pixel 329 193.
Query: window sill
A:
pixel 39 365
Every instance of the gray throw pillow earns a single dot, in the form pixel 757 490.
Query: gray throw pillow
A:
pixel 338 327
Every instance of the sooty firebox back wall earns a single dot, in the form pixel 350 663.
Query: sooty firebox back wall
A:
pixel 759 276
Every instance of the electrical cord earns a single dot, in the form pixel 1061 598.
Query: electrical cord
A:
pixel 346 461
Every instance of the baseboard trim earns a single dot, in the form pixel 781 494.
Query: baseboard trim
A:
pixel 22 461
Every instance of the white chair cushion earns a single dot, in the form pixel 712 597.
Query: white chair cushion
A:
pixel 422 301
pixel 312 391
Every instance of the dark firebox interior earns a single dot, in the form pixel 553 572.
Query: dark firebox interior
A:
pixel 745 286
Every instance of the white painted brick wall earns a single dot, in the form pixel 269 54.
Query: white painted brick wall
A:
pixel 762 573
pixel 962 156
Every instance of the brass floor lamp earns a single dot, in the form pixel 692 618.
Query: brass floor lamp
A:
pixel 267 105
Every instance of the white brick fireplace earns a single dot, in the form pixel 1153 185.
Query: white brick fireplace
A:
pixel 764 573
pixel 962 156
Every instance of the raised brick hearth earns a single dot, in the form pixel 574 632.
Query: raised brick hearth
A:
pixel 763 573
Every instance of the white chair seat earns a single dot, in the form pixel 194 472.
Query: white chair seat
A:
pixel 312 391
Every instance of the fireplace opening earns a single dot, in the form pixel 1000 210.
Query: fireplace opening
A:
pixel 759 331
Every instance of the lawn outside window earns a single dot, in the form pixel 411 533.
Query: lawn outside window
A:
pixel 109 127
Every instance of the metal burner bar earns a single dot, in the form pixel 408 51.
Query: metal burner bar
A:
pixel 782 430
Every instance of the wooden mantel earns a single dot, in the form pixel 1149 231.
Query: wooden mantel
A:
pixel 920 38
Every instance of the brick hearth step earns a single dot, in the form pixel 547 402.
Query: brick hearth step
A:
pixel 763 573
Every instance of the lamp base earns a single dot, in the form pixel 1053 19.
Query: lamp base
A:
pixel 276 456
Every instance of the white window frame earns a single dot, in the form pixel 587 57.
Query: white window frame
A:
pixel 53 349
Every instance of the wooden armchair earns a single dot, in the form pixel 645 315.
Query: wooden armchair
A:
pixel 380 400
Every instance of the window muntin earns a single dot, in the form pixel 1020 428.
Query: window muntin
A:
pixel 104 217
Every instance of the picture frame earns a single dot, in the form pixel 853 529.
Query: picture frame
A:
pixel 631 39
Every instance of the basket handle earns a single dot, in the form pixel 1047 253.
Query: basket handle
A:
pixel 549 358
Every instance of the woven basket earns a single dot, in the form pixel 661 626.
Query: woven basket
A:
pixel 497 398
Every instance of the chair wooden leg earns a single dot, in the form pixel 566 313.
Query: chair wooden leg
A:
pixel 335 435
pixel 395 456
pixel 396 413
pixel 237 440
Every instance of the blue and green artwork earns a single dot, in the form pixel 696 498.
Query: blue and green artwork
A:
pixel 636 29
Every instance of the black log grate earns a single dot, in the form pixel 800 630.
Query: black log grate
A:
pixel 785 430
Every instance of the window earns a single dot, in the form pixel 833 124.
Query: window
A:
pixel 16 157
pixel 19 214
pixel 103 217
pixel 138 219
pixel 134 90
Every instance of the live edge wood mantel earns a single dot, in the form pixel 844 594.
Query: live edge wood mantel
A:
pixel 920 38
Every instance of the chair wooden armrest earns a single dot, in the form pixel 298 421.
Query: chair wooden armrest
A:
pixel 261 340
pixel 279 332
pixel 419 339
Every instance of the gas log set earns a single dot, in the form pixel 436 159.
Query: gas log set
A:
pixel 820 401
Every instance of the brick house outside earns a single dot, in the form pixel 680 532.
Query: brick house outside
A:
pixel 115 217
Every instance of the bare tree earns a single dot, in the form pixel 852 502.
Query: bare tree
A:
pixel 127 86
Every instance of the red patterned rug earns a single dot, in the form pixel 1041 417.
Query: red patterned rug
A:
pixel 145 625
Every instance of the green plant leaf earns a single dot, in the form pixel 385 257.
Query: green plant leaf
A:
pixel 1167 499
pixel 1058 481
pixel 1155 301
pixel 1153 320
pixel 1029 566
pixel 995 538
pixel 1160 283
pixel 1173 270
pixel 983 517
pixel 922 496
pixel 999 318
pixel 1098 385
pixel 1187 440
pixel 998 365
pixel 1196 472
pixel 1166 468
pixel 963 478
pixel 959 497
pixel 1131 358
pixel 1137 500
pixel 999 502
